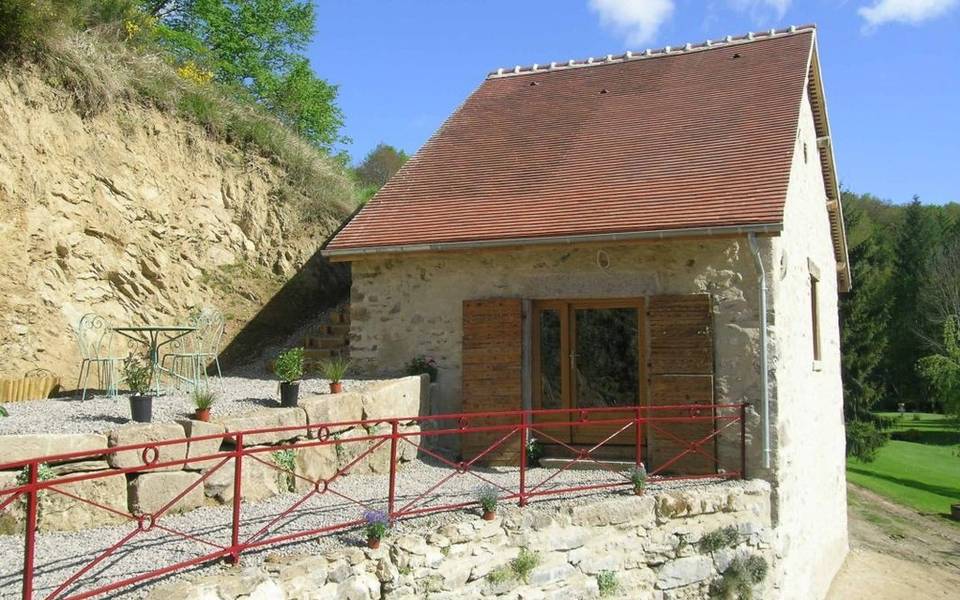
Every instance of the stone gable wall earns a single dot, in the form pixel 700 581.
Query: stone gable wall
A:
pixel 810 491
pixel 653 544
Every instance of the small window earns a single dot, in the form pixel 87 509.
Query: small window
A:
pixel 815 316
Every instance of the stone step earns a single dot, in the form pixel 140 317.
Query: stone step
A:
pixel 587 464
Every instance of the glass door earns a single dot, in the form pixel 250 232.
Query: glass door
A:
pixel 606 365
pixel 587 354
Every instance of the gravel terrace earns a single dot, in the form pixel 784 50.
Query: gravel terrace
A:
pixel 59 555
pixel 239 394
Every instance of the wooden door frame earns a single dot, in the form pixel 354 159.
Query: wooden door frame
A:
pixel 566 307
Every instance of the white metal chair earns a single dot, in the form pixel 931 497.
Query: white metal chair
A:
pixel 201 348
pixel 96 348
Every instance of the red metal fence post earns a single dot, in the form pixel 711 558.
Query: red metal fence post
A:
pixel 30 534
pixel 523 458
pixel 391 499
pixel 743 441
pixel 237 494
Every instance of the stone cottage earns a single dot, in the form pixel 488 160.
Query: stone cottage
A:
pixel 652 228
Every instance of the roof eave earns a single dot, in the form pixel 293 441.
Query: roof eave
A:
pixel 349 254
pixel 829 167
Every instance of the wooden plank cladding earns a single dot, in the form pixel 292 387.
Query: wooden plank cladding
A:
pixel 673 390
pixel 681 337
pixel 492 372
pixel 681 367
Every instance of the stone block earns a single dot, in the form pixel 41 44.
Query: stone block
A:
pixel 150 492
pixel 684 571
pixel 84 466
pixel 15 448
pixel 551 571
pixel 194 429
pixel 57 512
pixel 258 481
pixel 268 418
pixel 315 463
pixel 144 434
pixel 395 398
pixel 634 509
pixel 332 408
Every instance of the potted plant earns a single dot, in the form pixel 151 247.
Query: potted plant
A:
pixel 377 526
pixel 138 374
pixel 488 498
pixel 289 369
pixel 423 364
pixel 638 477
pixel 203 400
pixel 334 370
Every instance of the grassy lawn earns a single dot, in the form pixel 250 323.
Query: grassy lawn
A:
pixel 923 473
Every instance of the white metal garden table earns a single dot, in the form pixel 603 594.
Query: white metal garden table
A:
pixel 154 336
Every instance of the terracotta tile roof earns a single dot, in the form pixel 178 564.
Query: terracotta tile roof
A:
pixel 680 139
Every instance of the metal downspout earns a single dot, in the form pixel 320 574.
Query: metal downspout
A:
pixel 764 377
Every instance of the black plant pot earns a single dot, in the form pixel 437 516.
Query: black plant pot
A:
pixel 289 393
pixel 141 408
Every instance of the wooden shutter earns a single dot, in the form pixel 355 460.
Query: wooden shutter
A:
pixel 680 368
pixel 492 372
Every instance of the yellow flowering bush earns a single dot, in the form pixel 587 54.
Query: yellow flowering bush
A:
pixel 191 72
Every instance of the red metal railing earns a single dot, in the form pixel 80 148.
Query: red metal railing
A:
pixel 503 430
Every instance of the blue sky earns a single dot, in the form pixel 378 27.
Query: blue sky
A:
pixel 891 67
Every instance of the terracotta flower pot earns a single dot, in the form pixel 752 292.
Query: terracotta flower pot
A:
pixel 638 491
pixel 489 515
pixel 336 387
pixel 373 543
pixel 202 414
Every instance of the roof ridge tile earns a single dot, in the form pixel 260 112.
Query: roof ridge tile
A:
pixel 687 47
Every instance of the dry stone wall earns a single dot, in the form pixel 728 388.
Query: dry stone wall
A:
pixel 654 546
pixel 151 488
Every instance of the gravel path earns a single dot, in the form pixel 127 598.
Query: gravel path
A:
pixel 99 414
pixel 61 554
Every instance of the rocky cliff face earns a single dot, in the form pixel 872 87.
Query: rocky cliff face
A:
pixel 141 217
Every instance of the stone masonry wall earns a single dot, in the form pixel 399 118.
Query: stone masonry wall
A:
pixel 810 491
pixel 651 546
pixel 147 491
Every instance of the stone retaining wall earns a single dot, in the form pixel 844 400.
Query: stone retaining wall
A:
pixel 654 546
pixel 151 489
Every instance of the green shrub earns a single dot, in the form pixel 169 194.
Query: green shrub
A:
pixel 720 538
pixel 3 412
pixel 287 461
pixel 864 440
pixel 534 452
pixel 488 497
pixel 738 581
pixel 524 563
pixel 499 575
pixel 288 366
pixel 204 399
pixel 138 373
pixel 638 477
pixel 335 369
pixel 607 583
pixel 423 364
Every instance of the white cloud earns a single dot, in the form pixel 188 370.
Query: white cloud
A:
pixel 637 20
pixel 904 11
pixel 756 7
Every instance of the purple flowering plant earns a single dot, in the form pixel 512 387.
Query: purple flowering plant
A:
pixel 378 523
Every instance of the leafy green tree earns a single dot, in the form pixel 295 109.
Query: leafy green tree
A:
pixel 380 165
pixel 943 370
pixel 864 314
pixel 256 48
